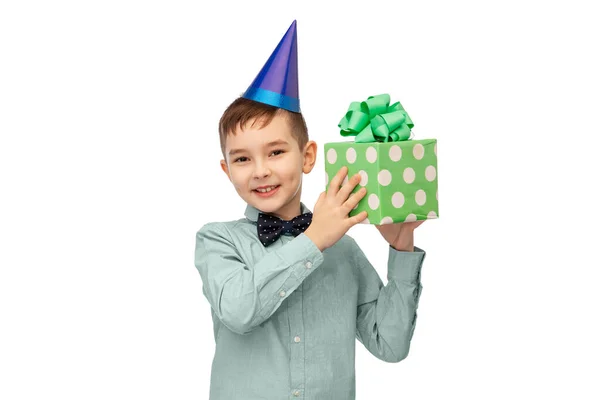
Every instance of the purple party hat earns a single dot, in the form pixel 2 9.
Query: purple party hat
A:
pixel 277 82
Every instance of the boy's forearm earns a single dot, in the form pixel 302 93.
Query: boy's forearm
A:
pixel 243 297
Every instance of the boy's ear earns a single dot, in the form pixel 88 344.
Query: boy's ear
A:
pixel 310 156
pixel 225 168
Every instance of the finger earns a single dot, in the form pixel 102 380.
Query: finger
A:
pixel 354 200
pixel 336 182
pixel 358 218
pixel 348 187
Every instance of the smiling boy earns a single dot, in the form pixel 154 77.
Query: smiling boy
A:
pixel 266 155
pixel 289 291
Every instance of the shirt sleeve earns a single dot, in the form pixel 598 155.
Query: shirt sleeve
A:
pixel 244 296
pixel 386 315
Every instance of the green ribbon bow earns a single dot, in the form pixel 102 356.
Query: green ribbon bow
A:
pixel 374 120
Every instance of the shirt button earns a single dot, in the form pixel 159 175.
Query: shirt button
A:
pixel 308 265
pixel 282 293
pixel 296 393
pixel 297 339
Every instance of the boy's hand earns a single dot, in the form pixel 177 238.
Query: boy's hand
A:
pixel 330 219
pixel 400 235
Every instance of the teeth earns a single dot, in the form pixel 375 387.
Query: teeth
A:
pixel 266 190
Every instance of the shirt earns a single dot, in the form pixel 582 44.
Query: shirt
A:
pixel 285 317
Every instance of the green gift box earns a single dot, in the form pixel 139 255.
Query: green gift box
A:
pixel 400 174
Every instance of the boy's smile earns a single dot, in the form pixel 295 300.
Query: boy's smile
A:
pixel 265 165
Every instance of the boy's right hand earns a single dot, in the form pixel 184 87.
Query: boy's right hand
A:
pixel 330 219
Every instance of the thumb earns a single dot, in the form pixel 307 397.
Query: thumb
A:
pixel 321 196
pixel 319 200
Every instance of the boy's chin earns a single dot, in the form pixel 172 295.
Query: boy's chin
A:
pixel 267 205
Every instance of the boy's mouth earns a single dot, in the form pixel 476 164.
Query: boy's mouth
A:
pixel 266 192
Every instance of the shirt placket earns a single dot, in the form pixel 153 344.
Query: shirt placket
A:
pixel 297 360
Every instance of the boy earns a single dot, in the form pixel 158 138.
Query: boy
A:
pixel 289 290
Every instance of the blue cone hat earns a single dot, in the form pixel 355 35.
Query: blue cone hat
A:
pixel 277 82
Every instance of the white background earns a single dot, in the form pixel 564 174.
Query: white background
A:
pixel 109 165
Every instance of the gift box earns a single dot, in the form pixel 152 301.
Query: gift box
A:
pixel 399 173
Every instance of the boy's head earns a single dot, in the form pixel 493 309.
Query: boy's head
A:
pixel 266 146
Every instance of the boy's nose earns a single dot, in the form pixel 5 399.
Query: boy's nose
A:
pixel 261 171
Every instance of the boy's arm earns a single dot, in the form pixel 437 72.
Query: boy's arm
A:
pixel 242 296
pixel 386 315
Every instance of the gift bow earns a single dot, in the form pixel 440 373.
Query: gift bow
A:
pixel 374 120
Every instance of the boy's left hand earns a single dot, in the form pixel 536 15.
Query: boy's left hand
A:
pixel 400 235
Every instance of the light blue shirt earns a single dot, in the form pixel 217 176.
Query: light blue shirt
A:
pixel 286 317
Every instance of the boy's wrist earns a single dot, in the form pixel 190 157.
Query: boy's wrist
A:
pixel 405 242
pixel 315 238
pixel 403 246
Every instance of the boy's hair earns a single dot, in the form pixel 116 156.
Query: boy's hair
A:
pixel 243 110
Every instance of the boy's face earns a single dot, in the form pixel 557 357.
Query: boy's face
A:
pixel 268 157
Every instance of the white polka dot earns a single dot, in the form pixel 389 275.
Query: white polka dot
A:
pixel 435 149
pixel 398 199
pixel 331 156
pixel 386 220
pixel 351 155
pixel 395 153
pixel 365 221
pixel 418 151
pixel 373 201
pixel 409 175
pixel 371 154
pixel 384 177
pixel 410 218
pixel 430 173
pixel 420 197
pixel 431 214
pixel 364 178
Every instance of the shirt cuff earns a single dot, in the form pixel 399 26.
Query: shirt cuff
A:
pixel 303 256
pixel 405 265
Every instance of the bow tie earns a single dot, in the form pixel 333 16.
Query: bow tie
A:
pixel 270 228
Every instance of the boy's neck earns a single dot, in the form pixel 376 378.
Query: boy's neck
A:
pixel 288 211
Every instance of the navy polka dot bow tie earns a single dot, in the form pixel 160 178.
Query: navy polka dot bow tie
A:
pixel 270 228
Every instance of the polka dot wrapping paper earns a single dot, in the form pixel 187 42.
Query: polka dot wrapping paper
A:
pixel 400 178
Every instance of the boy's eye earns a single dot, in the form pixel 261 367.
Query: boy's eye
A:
pixel 242 159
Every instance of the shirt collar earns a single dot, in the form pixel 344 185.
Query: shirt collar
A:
pixel 252 212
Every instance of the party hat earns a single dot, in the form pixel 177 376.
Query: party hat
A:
pixel 277 82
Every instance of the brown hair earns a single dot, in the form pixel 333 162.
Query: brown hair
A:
pixel 243 110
